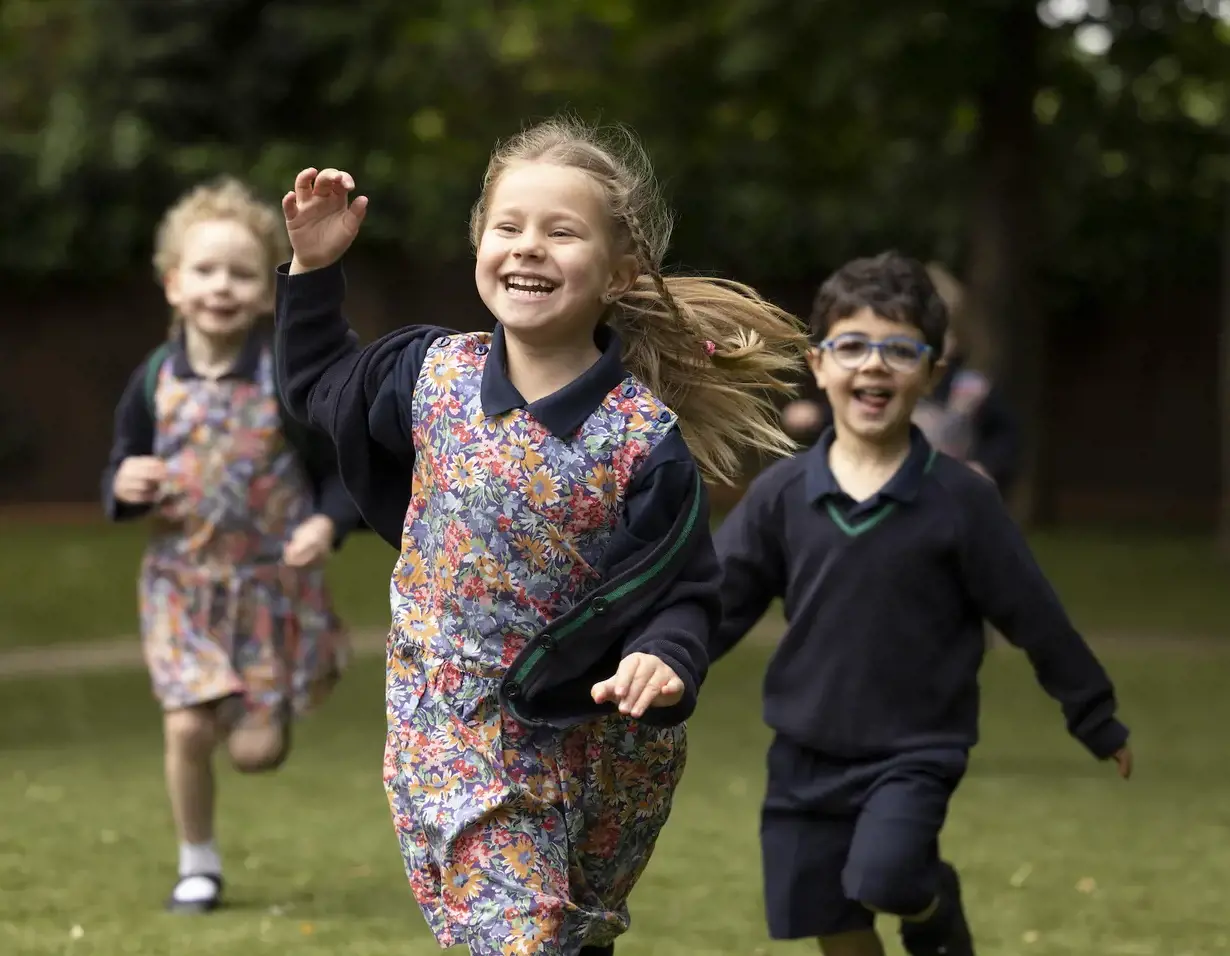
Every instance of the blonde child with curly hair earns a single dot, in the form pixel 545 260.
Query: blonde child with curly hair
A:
pixel 244 505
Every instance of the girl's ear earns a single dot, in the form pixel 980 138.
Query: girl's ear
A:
pixel 624 272
pixel 170 287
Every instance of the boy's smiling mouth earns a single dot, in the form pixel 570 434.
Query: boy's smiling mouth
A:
pixel 874 398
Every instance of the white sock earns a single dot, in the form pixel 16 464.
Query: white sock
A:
pixel 196 859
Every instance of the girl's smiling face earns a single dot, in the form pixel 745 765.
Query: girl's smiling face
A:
pixel 221 283
pixel 547 255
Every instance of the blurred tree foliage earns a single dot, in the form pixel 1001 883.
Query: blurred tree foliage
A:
pixel 791 133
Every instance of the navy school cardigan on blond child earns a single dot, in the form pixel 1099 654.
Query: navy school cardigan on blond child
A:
pixel 659 588
pixel 134 435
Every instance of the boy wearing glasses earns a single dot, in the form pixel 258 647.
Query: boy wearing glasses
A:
pixel 888 555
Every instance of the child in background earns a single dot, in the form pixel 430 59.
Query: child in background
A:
pixel 236 621
pixel 556 586
pixel 888 555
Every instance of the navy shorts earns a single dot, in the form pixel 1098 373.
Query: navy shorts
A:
pixel 842 840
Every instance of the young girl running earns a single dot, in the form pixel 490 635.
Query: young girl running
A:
pixel 236 621
pixel 557 578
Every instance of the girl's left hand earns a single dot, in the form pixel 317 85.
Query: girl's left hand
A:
pixel 642 681
pixel 309 543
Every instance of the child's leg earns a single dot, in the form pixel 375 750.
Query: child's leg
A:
pixel 894 864
pixel 257 740
pixel 863 942
pixel 807 826
pixel 942 928
pixel 190 735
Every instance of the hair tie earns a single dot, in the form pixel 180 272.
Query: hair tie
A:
pixel 710 347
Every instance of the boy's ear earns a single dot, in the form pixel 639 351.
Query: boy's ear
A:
pixel 938 368
pixel 815 362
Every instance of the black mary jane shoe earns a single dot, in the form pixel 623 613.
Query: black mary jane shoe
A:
pixel 196 907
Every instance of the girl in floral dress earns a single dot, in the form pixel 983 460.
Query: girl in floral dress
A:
pixel 543 484
pixel 236 622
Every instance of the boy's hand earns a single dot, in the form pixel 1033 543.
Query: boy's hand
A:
pixel 309 543
pixel 138 479
pixel 642 681
pixel 320 223
pixel 1123 760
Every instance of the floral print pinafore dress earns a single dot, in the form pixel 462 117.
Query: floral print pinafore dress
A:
pixel 515 840
pixel 221 615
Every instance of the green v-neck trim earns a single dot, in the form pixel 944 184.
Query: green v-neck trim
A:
pixel 866 524
pixel 860 527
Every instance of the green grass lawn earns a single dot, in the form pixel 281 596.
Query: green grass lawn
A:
pixel 71 583
pixel 1059 856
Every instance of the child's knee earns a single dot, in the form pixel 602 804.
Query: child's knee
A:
pixel 190 732
pixel 895 890
pixel 258 749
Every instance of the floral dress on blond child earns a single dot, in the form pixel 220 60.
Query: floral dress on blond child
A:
pixel 221 615
pixel 540 543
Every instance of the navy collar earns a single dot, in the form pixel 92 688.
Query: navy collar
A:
pixel 565 410
pixel 902 486
pixel 247 363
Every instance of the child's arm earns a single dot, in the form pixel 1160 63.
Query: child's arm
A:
pixel 1011 591
pixel 359 397
pixel 131 478
pixel 676 630
pixel 330 498
pixel 997 438
pixel 749 552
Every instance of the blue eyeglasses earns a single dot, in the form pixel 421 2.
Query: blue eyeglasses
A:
pixel 854 350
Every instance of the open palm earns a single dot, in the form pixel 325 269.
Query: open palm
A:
pixel 321 221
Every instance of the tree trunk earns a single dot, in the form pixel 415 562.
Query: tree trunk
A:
pixel 1223 518
pixel 1003 238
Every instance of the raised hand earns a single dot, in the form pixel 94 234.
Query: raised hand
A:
pixel 321 221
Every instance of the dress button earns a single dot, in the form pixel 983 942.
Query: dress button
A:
pixel 547 642
pixel 480 349
pixel 512 691
pixel 629 390
pixel 664 416
pixel 445 341
pixel 600 605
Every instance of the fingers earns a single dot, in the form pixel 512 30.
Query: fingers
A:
pixel 145 468
pixel 331 182
pixel 290 206
pixel 303 184
pixel 640 682
pixel 603 691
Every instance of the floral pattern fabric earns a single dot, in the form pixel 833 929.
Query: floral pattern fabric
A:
pixel 221 615
pixel 516 840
